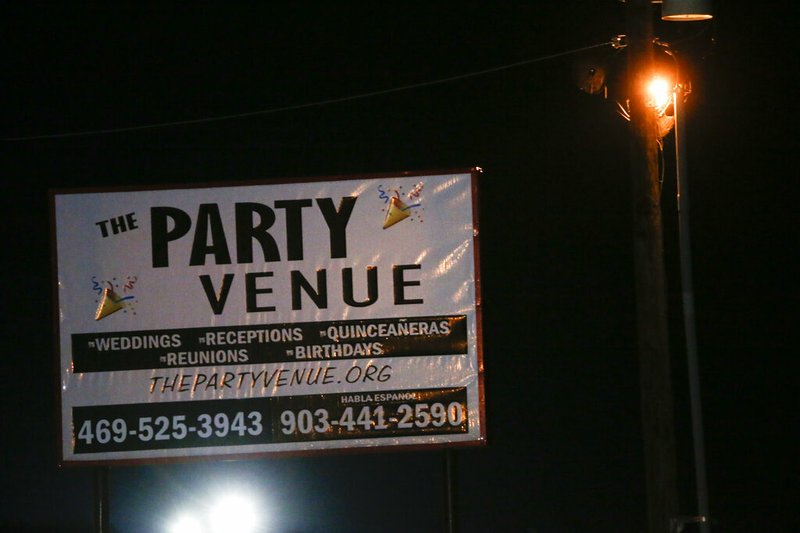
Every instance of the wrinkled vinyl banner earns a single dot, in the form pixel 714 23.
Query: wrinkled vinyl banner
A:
pixel 268 318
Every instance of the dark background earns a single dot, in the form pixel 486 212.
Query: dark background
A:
pixel 564 449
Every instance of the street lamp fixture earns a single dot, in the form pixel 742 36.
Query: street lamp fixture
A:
pixel 686 10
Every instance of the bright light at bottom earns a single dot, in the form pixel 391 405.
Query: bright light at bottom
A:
pixel 660 92
pixel 186 524
pixel 233 514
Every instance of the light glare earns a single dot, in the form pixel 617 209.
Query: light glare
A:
pixel 186 524
pixel 233 514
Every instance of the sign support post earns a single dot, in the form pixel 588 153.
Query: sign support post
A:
pixel 451 495
pixel 102 511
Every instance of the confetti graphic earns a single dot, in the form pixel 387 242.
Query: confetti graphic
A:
pixel 396 209
pixel 110 301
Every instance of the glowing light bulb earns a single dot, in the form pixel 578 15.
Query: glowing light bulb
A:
pixel 659 92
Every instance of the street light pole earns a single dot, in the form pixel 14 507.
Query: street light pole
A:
pixel 687 290
pixel 651 302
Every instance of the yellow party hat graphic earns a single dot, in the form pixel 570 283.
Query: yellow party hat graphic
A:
pixel 108 305
pixel 397 211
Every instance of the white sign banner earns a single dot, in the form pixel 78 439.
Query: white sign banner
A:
pixel 268 318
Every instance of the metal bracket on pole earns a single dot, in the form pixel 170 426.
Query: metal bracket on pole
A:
pixel 676 524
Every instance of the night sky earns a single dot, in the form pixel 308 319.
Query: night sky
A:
pixel 564 451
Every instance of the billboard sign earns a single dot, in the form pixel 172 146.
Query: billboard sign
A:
pixel 266 318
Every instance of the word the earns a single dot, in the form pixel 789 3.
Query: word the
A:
pixel 118 224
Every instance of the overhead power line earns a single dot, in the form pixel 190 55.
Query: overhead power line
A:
pixel 318 103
